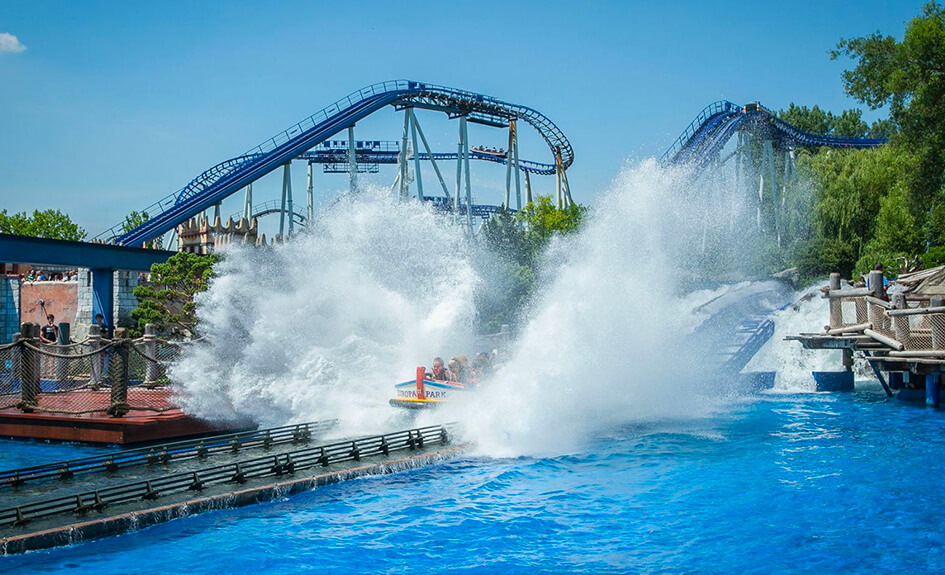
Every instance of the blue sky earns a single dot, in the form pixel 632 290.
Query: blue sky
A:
pixel 113 105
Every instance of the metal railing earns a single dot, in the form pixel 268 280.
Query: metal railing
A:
pixel 239 472
pixel 167 453
pixel 93 376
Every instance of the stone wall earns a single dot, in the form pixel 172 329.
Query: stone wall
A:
pixel 9 308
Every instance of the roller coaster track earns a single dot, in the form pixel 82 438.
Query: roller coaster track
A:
pixel 708 133
pixel 224 179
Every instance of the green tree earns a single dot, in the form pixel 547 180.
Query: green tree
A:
pixel 849 124
pixel 134 219
pixel 516 243
pixel 909 77
pixel 813 120
pixel 51 224
pixel 168 300
pixel 857 202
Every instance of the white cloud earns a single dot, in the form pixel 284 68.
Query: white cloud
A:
pixel 10 43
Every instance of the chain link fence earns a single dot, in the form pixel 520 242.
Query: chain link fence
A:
pixel 95 376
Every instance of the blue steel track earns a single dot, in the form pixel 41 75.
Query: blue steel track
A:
pixel 226 178
pixel 708 133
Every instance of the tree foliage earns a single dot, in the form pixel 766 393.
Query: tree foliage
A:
pixel 516 243
pixel 167 300
pixel 909 78
pixel 849 124
pixel 134 219
pixel 51 224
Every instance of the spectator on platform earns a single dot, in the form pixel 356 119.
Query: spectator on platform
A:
pixel 41 277
pixel 49 332
pixel 31 276
pixel 879 268
pixel 100 322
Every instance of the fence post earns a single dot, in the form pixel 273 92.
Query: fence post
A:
pixel 119 374
pixel 98 359
pixel 61 363
pixel 151 371
pixel 937 321
pixel 901 322
pixel 836 313
pixel 29 368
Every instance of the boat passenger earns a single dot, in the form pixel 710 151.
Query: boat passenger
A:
pixel 458 368
pixel 439 370
pixel 481 366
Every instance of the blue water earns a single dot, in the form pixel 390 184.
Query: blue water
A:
pixel 822 483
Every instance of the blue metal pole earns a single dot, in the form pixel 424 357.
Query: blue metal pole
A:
pixel 931 389
pixel 103 296
pixel 416 155
pixel 352 162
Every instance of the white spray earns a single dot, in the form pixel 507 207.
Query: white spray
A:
pixel 324 326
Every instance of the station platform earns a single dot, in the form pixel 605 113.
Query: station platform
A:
pixel 165 421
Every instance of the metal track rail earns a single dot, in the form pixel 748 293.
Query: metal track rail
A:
pixel 237 473
pixel 167 453
pixel 715 124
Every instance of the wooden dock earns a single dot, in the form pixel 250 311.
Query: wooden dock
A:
pixel 166 422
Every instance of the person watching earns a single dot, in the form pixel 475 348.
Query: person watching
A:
pixel 49 332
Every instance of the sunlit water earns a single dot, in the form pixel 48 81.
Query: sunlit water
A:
pixel 784 483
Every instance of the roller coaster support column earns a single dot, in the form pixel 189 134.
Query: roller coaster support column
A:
pixel 416 155
pixel 248 203
pixel 789 174
pixel 468 185
pixel 462 161
pixel 739 180
pixel 767 165
pixel 402 159
pixel 511 159
pixel 352 162
pixel 562 189
pixel 310 212
pixel 286 201
pixel 426 146
pixel 528 189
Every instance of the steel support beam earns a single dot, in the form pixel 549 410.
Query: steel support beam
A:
pixel 416 155
pixel 248 203
pixel 426 146
pixel 352 162
pixel 310 193
pixel 402 159
pixel 463 123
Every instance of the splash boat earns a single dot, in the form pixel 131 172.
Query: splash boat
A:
pixel 423 392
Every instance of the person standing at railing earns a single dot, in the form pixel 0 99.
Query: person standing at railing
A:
pixel 879 267
pixel 49 332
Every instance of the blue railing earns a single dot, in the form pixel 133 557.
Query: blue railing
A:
pixel 717 122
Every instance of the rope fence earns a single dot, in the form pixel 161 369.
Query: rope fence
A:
pixel 94 376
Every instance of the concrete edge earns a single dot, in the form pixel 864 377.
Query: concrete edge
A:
pixel 134 520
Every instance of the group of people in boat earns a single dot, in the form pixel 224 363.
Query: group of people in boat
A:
pixel 460 370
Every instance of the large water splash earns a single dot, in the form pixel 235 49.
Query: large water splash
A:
pixel 322 326
pixel 606 341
